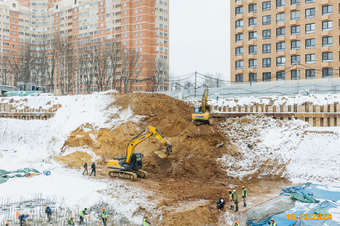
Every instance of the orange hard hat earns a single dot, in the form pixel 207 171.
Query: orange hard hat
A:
pixel 28 215
pixel 45 207
pixel 229 190
pixel 86 161
pixel 89 217
pixel 236 222
pixel 242 186
pixel 272 219
pixel 146 215
pixel 7 223
pixel 103 209
pixel 92 162
pixel 72 217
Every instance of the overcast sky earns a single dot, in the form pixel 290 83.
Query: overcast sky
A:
pixel 199 37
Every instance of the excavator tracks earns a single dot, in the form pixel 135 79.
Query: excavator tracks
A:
pixel 127 175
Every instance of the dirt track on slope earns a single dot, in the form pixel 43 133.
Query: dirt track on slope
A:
pixel 190 174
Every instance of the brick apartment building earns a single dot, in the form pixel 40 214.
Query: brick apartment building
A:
pixel 81 46
pixel 273 40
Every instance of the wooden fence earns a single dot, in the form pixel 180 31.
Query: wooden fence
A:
pixel 315 115
pixel 9 111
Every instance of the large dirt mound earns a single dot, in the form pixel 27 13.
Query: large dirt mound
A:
pixel 190 173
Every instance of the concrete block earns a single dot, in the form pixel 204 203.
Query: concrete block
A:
pixel 331 121
pixel 301 108
pixel 331 108
pixel 269 108
pixel 317 122
pixel 317 109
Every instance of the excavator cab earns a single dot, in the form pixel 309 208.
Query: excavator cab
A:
pixel 197 110
pixel 136 161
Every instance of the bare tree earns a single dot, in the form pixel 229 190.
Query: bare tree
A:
pixel 157 70
pixel 132 66
pixel 5 66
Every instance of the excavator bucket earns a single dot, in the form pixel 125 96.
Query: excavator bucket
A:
pixel 165 153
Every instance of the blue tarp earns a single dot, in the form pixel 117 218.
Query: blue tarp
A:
pixel 326 196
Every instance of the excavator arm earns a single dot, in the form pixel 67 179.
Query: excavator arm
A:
pixel 204 100
pixel 145 134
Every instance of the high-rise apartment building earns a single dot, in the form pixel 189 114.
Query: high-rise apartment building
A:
pixel 274 40
pixel 81 46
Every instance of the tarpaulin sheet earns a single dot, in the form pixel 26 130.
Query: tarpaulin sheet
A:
pixel 328 196
pixel 5 175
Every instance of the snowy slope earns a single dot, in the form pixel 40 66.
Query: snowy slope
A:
pixel 35 143
pixel 290 149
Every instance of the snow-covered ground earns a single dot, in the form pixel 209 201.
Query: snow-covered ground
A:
pixel 291 149
pixel 34 144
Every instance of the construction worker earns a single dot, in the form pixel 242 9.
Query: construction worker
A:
pixel 82 214
pixel 236 223
pixel 244 196
pixel 93 167
pixel 220 204
pixel 48 212
pixel 70 221
pixel 272 222
pixel 146 221
pixel 231 199
pixel 85 169
pixel 104 216
pixel 236 200
pixel 22 218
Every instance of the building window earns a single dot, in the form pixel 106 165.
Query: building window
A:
pixel 266 6
pixel 266 34
pixel 266 20
pixel 280 61
pixel 280 75
pixel 296 74
pixel 266 48
pixel 295 2
pixel 310 58
pixel 310 13
pixel 295 60
pixel 266 76
pixel 327 72
pixel 266 62
pixel 327 10
pixel 239 37
pixel 239 64
pixel 280 17
pixel 252 63
pixel 310 28
pixel 295 15
pixel 280 3
pixel 327 57
pixel 238 24
pixel 327 41
pixel 252 35
pixel 252 22
pixel 252 49
pixel 327 25
pixel 295 45
pixel 239 10
pixel 309 1
pixel 310 43
pixel 310 74
pixel 295 30
pixel 239 51
pixel 280 32
pixel 239 78
pixel 280 46
pixel 252 8
pixel 252 77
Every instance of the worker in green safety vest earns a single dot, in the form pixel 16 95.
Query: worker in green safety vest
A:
pixel 244 196
pixel 146 221
pixel 104 216
pixel 82 214
pixel 236 223
pixel 70 221
pixel 231 199
pixel 272 222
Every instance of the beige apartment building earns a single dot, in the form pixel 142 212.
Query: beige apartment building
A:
pixel 273 40
pixel 80 46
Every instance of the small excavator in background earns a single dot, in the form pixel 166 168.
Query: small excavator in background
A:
pixel 130 166
pixel 201 113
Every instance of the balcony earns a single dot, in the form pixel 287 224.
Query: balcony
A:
pixel 326 33
pixel 252 15
pixel 250 1
pixel 239 57
pixel 240 3
pixel 293 37
pixel 326 49
pixel 251 28
pixel 293 7
pixel 326 64
pixel 281 53
pixel 280 68
pixel 293 22
pixel 252 42
pixel 251 56
pixel 294 52
pixel 239 16
pixel 326 17
pixel 281 24
pixel 281 38
pixel 281 9
pixel 239 30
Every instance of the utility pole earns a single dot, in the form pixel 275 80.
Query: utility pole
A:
pixel 195 82
pixel 217 82
pixel 297 77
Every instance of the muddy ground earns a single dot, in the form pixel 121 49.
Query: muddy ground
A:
pixel 190 181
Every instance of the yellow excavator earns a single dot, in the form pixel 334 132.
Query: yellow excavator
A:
pixel 201 113
pixel 130 166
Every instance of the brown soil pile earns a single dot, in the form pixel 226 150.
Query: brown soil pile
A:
pixel 74 159
pixel 191 173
